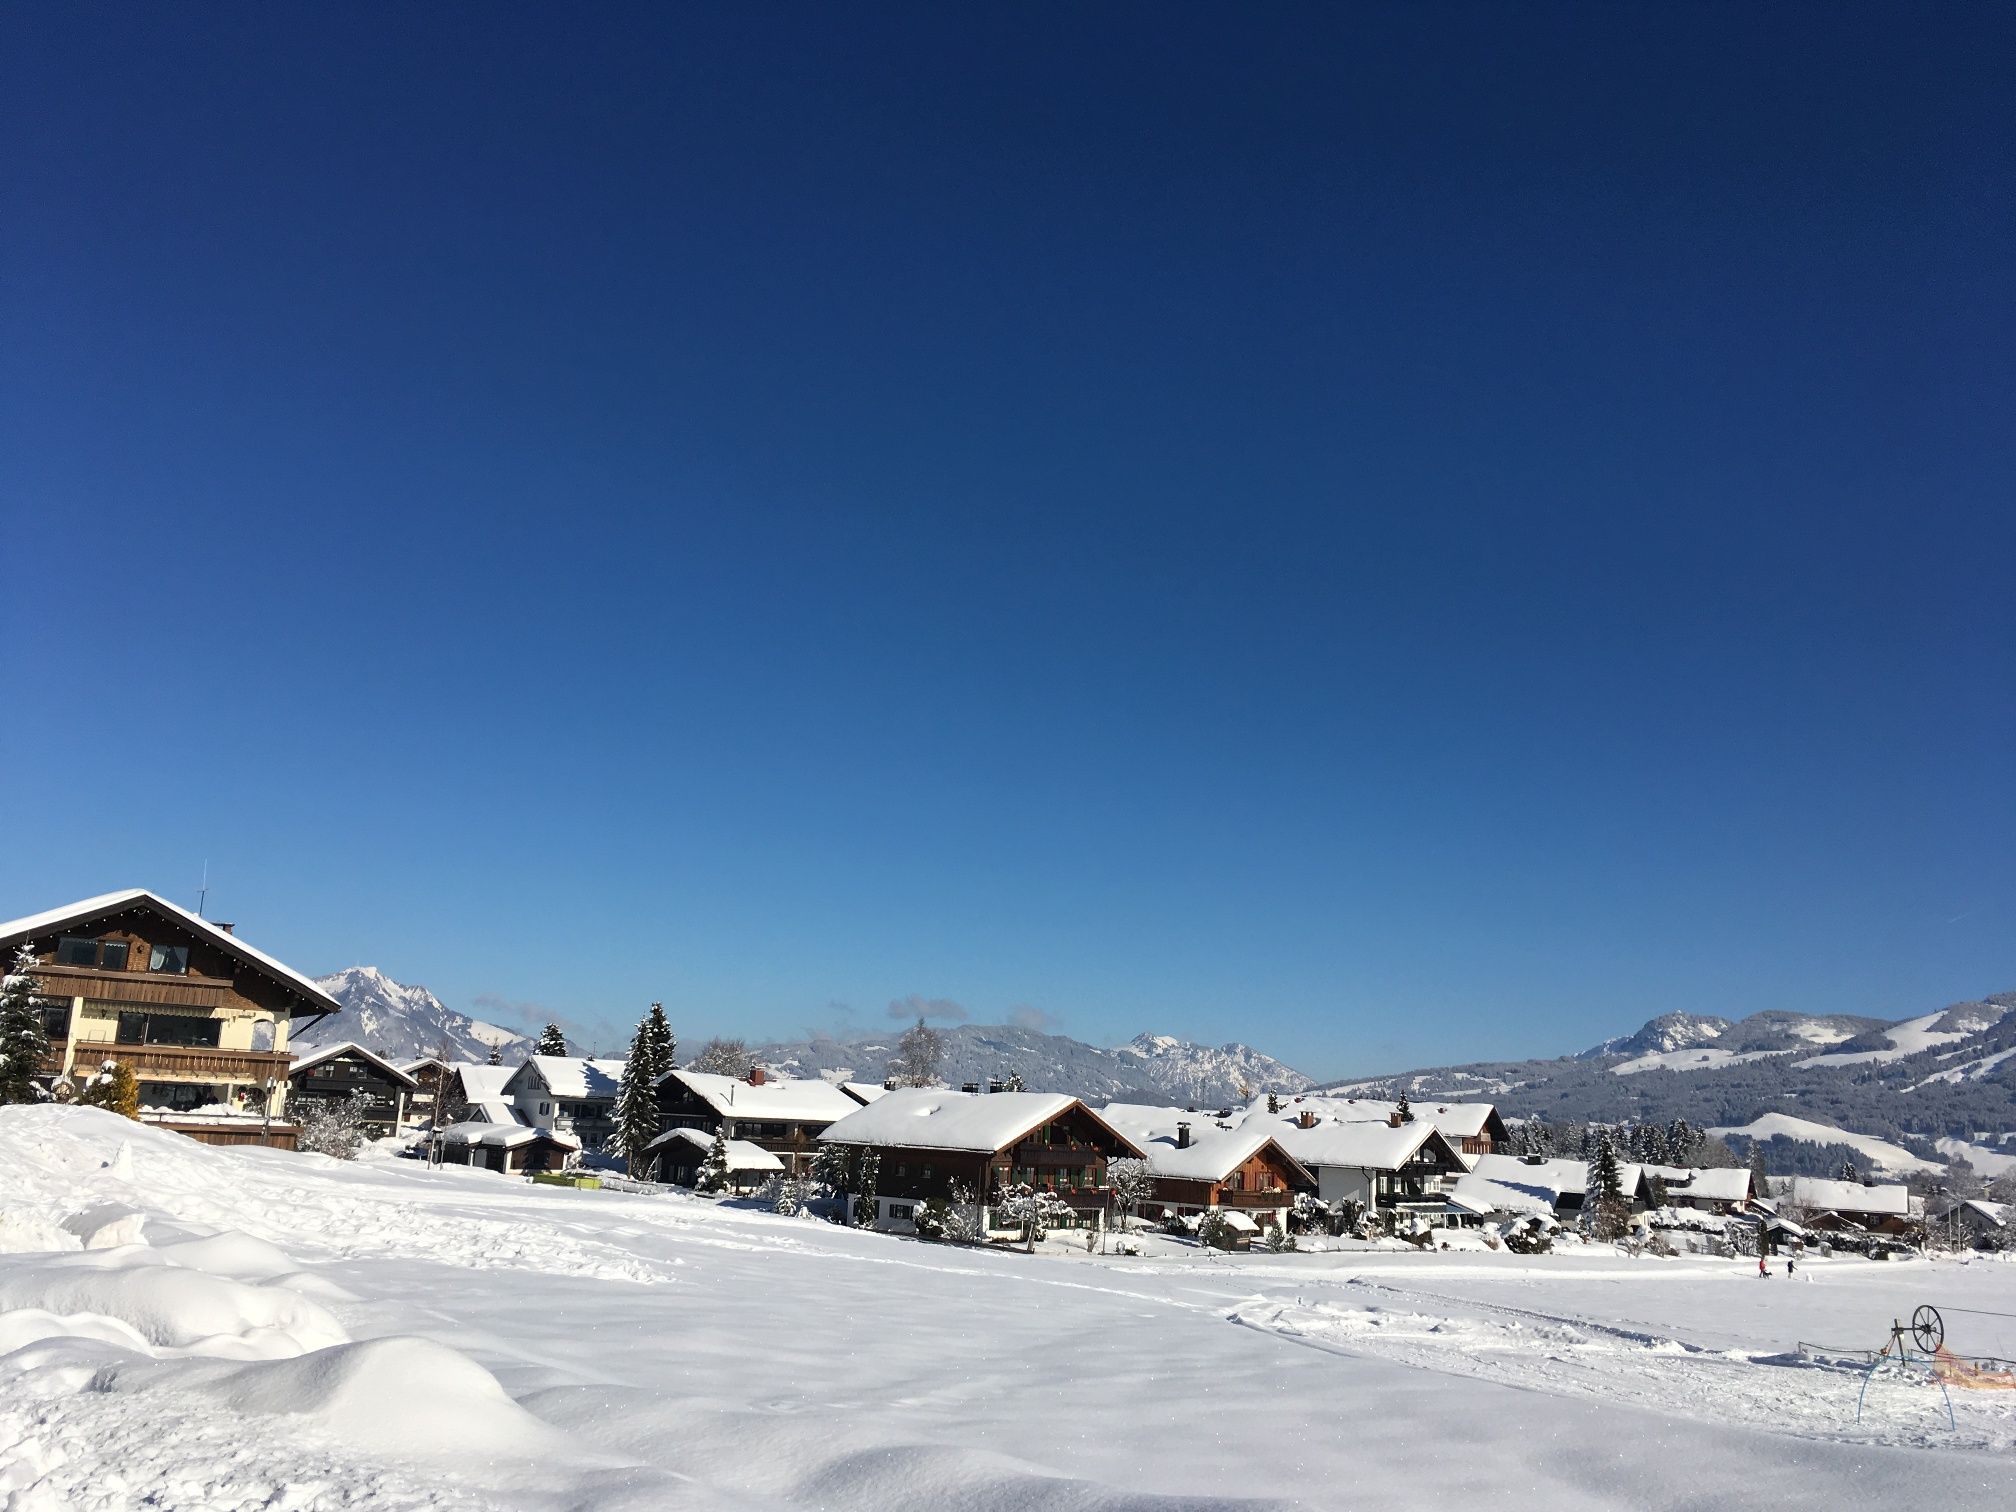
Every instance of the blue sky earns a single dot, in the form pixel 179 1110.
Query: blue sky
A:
pixel 1393 537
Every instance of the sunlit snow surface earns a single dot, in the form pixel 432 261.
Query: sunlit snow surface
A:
pixel 191 1328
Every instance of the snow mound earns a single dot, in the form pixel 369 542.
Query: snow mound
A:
pixel 173 1308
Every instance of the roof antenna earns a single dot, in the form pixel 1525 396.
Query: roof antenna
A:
pixel 203 893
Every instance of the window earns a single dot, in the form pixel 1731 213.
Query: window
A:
pixel 179 1097
pixel 900 1212
pixel 169 958
pixel 56 1022
pixel 137 1028
pixel 75 950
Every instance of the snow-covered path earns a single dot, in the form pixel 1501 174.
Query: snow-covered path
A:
pixel 453 1339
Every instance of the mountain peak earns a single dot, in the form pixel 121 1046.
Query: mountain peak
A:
pixel 402 1022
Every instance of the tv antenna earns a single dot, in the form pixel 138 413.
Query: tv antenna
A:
pixel 203 892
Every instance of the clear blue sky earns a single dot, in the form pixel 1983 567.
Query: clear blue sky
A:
pixel 1392 535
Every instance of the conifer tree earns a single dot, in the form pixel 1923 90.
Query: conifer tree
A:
pixel 1273 1102
pixel 1014 1083
pixel 496 1055
pixel 551 1041
pixel 637 1101
pixel 1404 1109
pixel 664 1049
pixel 23 1041
pixel 1610 1215
pixel 714 1172
pixel 1849 1173
pixel 870 1173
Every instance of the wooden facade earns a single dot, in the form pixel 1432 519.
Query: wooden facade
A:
pixel 202 1022
pixel 345 1071
pixel 790 1132
pixel 1263 1186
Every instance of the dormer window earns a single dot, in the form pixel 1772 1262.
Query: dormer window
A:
pixel 173 959
pixel 77 950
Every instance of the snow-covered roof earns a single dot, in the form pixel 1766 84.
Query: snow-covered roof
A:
pixel 742 1154
pixel 1999 1214
pixel 479 1080
pixel 1456 1120
pixel 863 1092
pixel 1237 1221
pixel 1480 1194
pixel 1213 1153
pixel 576 1076
pixel 351 1047
pixel 1566 1178
pixel 777 1099
pixel 1726 1184
pixel 507 1136
pixel 1891 1201
pixel 496 1110
pixel 1360 1146
pixel 926 1118
pixel 55 919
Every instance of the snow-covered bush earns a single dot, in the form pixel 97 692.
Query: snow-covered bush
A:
pixel 1214 1229
pixel 1034 1213
pixel 333 1125
pixel 1309 1215
pixel 786 1195
pixel 1131 1184
pixel 114 1088
pixel 1277 1241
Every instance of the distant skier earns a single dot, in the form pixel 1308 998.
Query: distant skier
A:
pixel 1762 1268
pixel 1791 1266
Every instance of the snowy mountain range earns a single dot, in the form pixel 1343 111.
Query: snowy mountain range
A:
pixel 1155 1066
pixel 1900 1096
pixel 403 1023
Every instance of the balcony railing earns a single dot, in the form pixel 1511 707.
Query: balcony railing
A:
pixel 196 1062
pixel 1274 1199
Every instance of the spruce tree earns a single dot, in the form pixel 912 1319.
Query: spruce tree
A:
pixel 23 1041
pixel 870 1173
pixel 1404 1109
pixel 1014 1083
pixel 714 1172
pixel 551 1041
pixel 1273 1102
pixel 637 1101
pixel 496 1055
pixel 1849 1173
pixel 664 1049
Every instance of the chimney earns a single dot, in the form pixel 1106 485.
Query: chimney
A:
pixel 755 1076
pixel 227 928
pixel 969 1087
pixel 995 1084
pixel 1306 1119
pixel 1182 1136
pixel 1393 1119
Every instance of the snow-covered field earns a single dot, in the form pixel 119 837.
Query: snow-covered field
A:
pixel 259 1329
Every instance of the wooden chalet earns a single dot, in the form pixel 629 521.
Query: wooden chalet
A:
pixel 1199 1163
pixel 783 1115
pixel 680 1155
pixel 507 1148
pixel 1851 1207
pixel 200 1017
pixel 1391 1165
pixel 345 1070
pixel 1473 1129
pixel 930 1140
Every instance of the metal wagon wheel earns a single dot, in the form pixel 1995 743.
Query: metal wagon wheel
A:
pixel 1928 1328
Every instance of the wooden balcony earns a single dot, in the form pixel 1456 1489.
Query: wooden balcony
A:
pixel 183 1062
pixel 191 988
pixel 1280 1198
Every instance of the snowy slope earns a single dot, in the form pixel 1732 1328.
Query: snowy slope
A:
pixel 262 1329
pixel 1882 1156
pixel 403 1023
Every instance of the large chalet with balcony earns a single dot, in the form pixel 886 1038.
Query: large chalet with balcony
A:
pixel 779 1114
pixel 1197 1163
pixel 200 1017
pixel 929 1140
